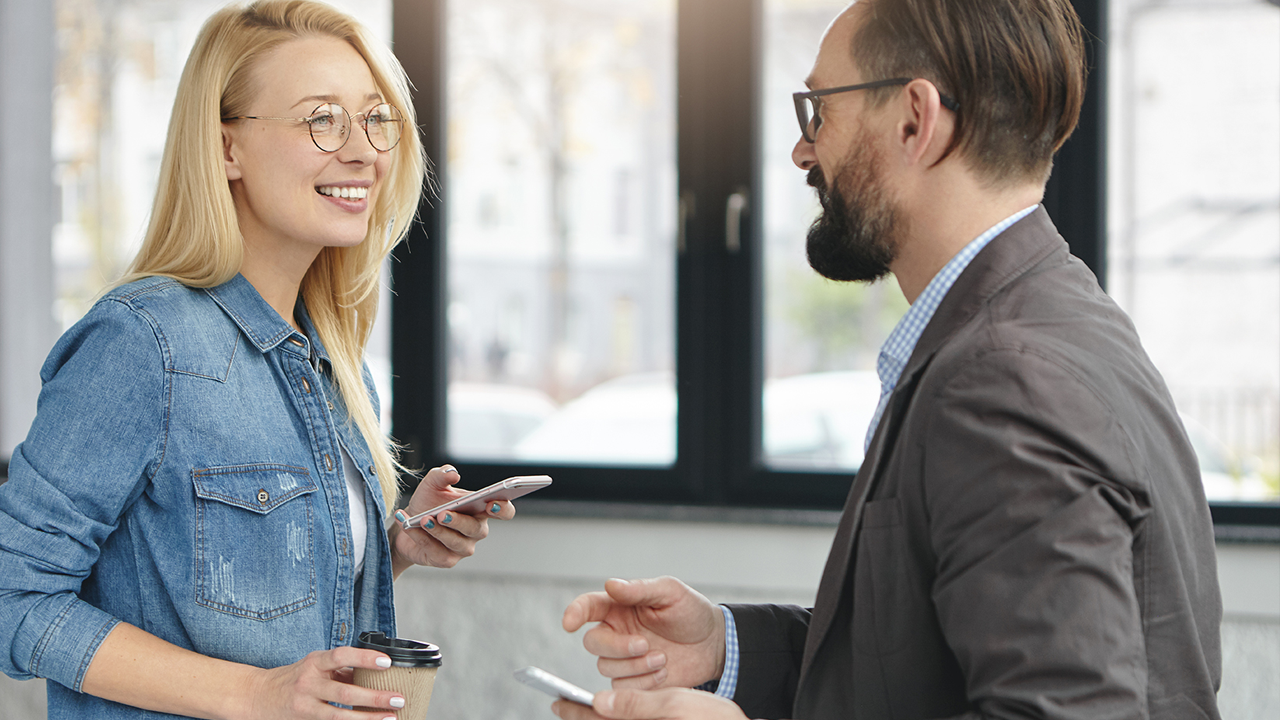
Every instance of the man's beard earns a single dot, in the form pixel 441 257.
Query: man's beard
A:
pixel 856 236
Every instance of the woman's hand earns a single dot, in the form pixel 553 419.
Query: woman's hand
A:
pixel 441 541
pixel 306 688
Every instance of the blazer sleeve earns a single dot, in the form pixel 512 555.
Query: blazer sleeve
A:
pixel 771 647
pixel 1034 501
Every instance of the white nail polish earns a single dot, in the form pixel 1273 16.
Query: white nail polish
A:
pixel 384 662
pixel 397 702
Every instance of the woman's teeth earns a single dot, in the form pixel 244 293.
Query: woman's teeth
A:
pixel 350 193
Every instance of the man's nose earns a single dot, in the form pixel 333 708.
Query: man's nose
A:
pixel 803 154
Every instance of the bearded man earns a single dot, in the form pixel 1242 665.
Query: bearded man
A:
pixel 1028 536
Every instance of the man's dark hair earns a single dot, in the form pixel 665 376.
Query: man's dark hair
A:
pixel 1016 67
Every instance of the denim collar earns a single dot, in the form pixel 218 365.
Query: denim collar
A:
pixel 264 327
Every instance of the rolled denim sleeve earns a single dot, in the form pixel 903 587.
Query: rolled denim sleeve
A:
pixel 99 434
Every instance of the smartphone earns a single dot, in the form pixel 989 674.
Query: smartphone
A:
pixel 477 502
pixel 553 686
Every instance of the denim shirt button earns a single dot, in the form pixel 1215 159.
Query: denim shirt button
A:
pixel 263 496
pixel 373 470
pixel 296 341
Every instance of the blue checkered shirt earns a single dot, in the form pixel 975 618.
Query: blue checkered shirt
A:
pixel 893 360
pixel 728 682
pixel 897 350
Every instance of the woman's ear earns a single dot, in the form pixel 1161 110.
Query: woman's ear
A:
pixel 229 154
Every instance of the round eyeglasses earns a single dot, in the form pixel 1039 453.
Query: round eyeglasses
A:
pixel 330 125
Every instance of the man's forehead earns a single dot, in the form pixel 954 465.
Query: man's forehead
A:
pixel 834 63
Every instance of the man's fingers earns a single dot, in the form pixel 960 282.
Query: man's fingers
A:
pixel 588 607
pixel 655 592
pixel 603 641
pixel 645 704
pixel 646 671
pixel 566 710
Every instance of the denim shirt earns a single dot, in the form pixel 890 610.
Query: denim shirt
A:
pixel 184 474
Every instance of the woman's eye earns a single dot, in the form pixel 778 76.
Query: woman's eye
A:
pixel 321 121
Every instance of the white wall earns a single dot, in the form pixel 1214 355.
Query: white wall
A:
pixel 500 610
pixel 27 327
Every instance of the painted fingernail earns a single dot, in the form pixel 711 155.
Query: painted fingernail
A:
pixel 384 662
pixel 448 518
pixel 430 524
pixel 400 515
pixel 495 509
pixel 397 702
pixel 449 469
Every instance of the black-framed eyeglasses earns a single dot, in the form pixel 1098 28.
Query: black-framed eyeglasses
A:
pixel 809 107
pixel 330 125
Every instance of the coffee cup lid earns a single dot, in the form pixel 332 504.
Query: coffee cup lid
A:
pixel 403 653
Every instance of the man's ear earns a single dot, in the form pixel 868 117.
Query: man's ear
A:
pixel 230 154
pixel 925 127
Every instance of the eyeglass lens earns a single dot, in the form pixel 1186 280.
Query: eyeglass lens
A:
pixel 807 114
pixel 330 124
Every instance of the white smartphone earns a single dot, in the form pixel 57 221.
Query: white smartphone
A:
pixel 553 686
pixel 478 501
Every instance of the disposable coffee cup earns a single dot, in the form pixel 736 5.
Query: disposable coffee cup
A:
pixel 412 673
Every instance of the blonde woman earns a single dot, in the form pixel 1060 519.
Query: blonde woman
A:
pixel 194 524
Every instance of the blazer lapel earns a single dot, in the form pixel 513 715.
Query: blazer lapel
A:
pixel 834 574
pixel 1008 256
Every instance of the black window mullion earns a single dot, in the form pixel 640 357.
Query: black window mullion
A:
pixel 1076 194
pixel 718 352
pixel 418 268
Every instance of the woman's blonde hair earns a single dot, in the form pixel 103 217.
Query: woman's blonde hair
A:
pixel 194 235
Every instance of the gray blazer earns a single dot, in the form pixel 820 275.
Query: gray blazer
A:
pixel 1028 535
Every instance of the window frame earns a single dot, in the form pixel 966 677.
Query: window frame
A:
pixel 719 290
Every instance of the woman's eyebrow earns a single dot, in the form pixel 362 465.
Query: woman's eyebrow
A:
pixel 333 98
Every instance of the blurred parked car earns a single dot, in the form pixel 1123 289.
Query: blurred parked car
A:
pixel 1223 475
pixel 486 421
pixel 814 421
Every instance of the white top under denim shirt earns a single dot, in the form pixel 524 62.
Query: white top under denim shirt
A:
pixel 184 473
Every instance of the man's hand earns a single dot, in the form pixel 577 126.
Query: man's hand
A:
pixel 668 704
pixel 652 633
pixel 441 541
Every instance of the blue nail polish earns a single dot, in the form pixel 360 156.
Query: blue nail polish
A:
pixel 496 508
pixel 448 517
pixel 431 524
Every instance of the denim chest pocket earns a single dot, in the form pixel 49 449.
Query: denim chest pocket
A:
pixel 254 539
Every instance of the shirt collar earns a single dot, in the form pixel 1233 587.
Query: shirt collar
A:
pixel 897 349
pixel 264 327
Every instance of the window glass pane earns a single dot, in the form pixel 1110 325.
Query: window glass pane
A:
pixel 821 337
pixel 1195 221
pixel 560 196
